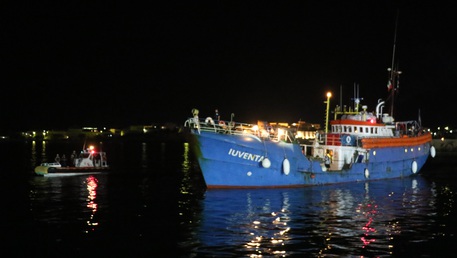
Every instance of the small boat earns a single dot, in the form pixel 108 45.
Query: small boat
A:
pixel 89 161
pixel 358 146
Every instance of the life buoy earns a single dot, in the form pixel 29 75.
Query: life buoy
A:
pixel 221 123
pixel 209 120
pixel 348 139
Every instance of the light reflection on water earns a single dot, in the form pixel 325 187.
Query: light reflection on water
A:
pixel 55 200
pixel 92 184
pixel 155 201
pixel 361 219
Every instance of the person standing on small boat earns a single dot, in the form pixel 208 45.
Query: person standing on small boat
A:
pixel 72 159
pixel 104 160
pixel 64 160
pixel 57 159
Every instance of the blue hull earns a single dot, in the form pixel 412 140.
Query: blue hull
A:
pixel 235 161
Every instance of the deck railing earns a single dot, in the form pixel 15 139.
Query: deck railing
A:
pixel 236 128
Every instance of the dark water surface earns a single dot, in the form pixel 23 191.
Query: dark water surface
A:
pixel 154 204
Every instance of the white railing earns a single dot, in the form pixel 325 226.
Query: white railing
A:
pixel 236 128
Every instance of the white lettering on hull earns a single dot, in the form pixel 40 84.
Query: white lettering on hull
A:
pixel 245 155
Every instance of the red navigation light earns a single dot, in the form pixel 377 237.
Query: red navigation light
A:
pixel 372 120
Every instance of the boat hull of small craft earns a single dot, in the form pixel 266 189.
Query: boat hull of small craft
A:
pixel 68 171
pixel 236 161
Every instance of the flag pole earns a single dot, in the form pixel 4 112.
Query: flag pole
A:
pixel 393 71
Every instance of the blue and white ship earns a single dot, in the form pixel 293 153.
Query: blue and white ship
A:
pixel 356 145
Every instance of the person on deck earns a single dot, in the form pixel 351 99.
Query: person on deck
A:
pixel 327 159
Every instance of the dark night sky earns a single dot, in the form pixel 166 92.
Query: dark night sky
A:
pixel 117 65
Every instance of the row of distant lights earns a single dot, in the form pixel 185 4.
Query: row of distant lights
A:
pixel 45 132
pixel 446 128
pixel 91 129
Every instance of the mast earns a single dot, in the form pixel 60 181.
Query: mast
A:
pixel 392 84
pixel 357 98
